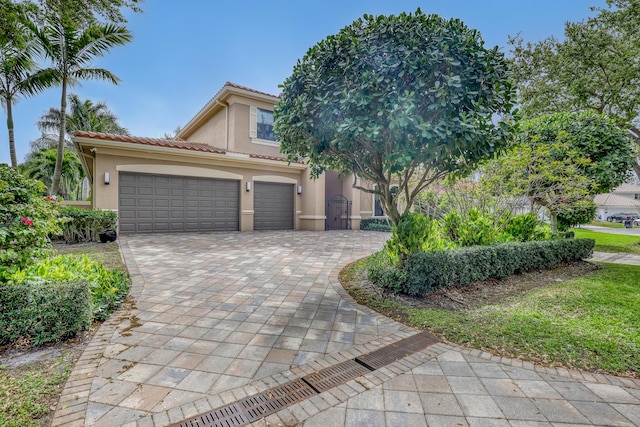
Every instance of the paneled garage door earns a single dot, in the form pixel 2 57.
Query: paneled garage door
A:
pixel 272 206
pixel 164 203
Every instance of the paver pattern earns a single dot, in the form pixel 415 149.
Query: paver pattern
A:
pixel 221 316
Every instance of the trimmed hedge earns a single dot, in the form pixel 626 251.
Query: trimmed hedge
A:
pixel 43 311
pixel 82 225
pixel 426 271
pixel 375 224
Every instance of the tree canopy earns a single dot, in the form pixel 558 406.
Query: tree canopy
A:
pixel 72 51
pixel 559 161
pixel 396 100
pixel 594 68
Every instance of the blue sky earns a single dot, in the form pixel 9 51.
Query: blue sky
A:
pixel 183 52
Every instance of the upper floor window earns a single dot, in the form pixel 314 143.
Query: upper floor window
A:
pixel 265 125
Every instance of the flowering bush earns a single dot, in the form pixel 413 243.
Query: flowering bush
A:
pixel 26 220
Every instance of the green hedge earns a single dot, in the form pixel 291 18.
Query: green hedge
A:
pixel 426 271
pixel 375 224
pixel 82 225
pixel 43 311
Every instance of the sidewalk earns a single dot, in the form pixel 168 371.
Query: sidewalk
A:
pixel 616 258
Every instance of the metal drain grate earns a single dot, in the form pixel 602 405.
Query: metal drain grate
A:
pixel 263 404
pixel 389 354
pixel 335 375
pixel 256 407
pixel 227 416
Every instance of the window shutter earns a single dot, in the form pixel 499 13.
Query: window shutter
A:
pixel 253 122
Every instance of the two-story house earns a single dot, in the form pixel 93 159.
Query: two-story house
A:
pixel 224 171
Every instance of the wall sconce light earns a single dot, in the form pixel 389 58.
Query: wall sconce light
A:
pixel 107 178
pixel 248 186
pixel 299 189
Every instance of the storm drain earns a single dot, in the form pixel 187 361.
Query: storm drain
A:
pixel 335 375
pixel 256 407
pixel 389 354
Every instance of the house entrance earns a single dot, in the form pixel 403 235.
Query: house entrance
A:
pixel 338 213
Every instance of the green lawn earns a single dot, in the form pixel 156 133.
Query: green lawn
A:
pixel 607 224
pixel 27 393
pixel 608 242
pixel 587 323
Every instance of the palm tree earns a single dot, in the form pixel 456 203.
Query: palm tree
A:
pixel 84 115
pixel 72 50
pixel 40 165
pixel 17 76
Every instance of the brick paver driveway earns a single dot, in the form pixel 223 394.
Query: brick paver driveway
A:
pixel 216 311
pixel 220 317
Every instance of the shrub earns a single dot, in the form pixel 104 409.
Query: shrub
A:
pixel 525 228
pixel 426 271
pixel 108 288
pixel 381 270
pixel 375 224
pixel 43 311
pixel 81 225
pixel 26 220
pixel 577 213
pixel 414 233
pixel 378 227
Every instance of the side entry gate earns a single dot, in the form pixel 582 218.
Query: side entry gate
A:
pixel 338 213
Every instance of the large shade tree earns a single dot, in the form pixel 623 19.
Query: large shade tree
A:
pixel 396 100
pixel 594 68
pixel 560 161
pixel 72 51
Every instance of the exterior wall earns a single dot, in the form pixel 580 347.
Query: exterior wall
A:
pixel 240 123
pixel 309 207
pixel 332 184
pixel 312 215
pixel 213 132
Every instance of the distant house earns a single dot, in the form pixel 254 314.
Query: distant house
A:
pixel 624 199
pixel 223 172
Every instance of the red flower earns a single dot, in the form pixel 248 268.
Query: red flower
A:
pixel 27 222
pixel 51 198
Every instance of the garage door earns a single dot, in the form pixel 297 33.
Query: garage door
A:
pixel 164 203
pixel 272 206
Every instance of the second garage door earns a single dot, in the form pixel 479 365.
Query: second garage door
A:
pixel 273 206
pixel 162 203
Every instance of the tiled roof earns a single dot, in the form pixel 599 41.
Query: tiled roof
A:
pixel 169 143
pixel 248 89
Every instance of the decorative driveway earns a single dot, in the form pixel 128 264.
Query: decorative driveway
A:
pixel 218 317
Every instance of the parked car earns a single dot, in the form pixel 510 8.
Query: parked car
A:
pixel 636 222
pixel 621 217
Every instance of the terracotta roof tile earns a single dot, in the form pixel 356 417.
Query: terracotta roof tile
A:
pixel 170 143
pixel 248 89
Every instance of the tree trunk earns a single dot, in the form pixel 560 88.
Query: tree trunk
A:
pixel 553 217
pixel 57 172
pixel 12 142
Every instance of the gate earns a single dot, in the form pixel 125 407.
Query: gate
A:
pixel 338 213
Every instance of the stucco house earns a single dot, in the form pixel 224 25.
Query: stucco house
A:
pixel 624 199
pixel 224 171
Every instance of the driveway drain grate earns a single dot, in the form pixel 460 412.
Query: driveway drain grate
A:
pixel 275 399
pixel 227 416
pixel 335 375
pixel 389 354
pixel 254 408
